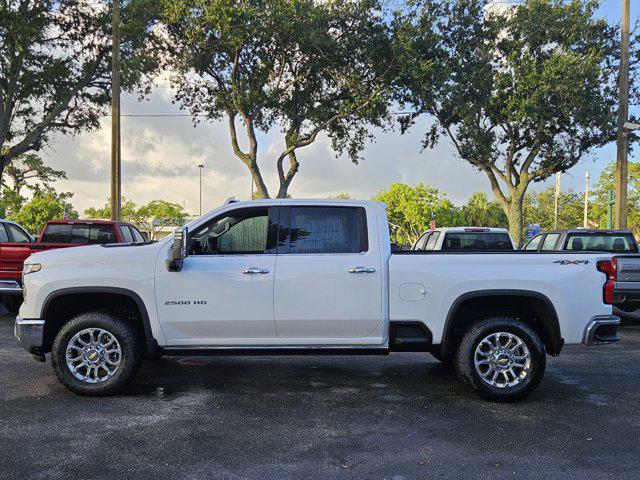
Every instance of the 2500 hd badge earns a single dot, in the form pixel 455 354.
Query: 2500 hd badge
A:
pixel 185 302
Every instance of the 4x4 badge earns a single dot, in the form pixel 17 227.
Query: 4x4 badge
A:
pixel 572 262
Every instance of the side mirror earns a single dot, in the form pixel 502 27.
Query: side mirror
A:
pixel 178 249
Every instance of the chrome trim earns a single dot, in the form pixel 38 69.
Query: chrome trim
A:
pixel 29 333
pixel 10 286
pixel 592 326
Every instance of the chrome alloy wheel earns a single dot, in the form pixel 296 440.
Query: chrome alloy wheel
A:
pixel 502 360
pixel 93 355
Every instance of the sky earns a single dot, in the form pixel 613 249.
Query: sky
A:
pixel 160 158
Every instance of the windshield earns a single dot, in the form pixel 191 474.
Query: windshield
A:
pixel 623 242
pixel 477 241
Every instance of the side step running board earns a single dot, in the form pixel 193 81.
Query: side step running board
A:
pixel 269 350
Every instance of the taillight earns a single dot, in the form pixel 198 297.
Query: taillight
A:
pixel 610 269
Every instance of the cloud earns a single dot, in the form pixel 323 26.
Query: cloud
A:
pixel 160 157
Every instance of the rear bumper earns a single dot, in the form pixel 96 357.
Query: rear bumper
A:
pixel 10 287
pixel 29 333
pixel 601 330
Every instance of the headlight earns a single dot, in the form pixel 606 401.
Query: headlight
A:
pixel 31 268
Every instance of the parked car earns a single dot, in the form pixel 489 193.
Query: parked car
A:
pixel 309 277
pixel 466 239
pixel 621 243
pixel 16 245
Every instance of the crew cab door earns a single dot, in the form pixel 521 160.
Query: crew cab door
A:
pixel 328 283
pixel 224 293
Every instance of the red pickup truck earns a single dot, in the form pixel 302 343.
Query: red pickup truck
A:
pixel 16 245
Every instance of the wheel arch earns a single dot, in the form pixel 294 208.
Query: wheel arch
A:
pixel 503 301
pixel 61 305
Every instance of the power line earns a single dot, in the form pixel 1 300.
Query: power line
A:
pixel 161 115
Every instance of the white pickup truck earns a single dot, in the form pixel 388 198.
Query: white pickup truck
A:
pixel 309 277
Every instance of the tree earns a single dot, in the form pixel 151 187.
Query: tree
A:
pixel 158 214
pixel 44 206
pixel 539 207
pixel 521 95
pixel 129 211
pixel 29 171
pixel 480 212
pixel 600 194
pixel 55 61
pixel 303 66
pixel 411 208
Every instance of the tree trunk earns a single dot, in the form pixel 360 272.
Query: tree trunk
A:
pixel 514 214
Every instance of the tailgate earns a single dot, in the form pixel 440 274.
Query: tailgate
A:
pixel 627 286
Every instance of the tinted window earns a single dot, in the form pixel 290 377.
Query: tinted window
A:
pixel 602 242
pixel 550 241
pixel 3 233
pixel 238 232
pixel 126 234
pixel 477 241
pixel 328 230
pixel 431 243
pixel 137 236
pixel 82 234
pixel 18 234
pixel 534 243
pixel 422 241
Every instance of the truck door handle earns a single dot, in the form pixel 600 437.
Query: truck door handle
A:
pixel 361 270
pixel 254 270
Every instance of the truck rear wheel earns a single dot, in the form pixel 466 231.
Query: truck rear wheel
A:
pixel 501 358
pixel 96 354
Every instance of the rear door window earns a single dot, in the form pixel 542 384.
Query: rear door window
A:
pixel 550 242
pixel 126 234
pixel 18 235
pixel 137 236
pixel 422 241
pixel 433 239
pixel 534 243
pixel 3 233
pixel 328 230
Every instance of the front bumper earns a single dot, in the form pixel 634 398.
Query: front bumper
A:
pixel 10 287
pixel 601 330
pixel 29 333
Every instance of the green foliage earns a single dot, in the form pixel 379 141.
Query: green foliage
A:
pixel 10 202
pixel 410 209
pixel 539 208
pixel 341 196
pixel 598 212
pixel 128 211
pixel 521 95
pixel 302 66
pixel 28 170
pixel 480 212
pixel 55 67
pixel 44 206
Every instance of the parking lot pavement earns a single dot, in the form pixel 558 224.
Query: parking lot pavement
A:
pixel 399 417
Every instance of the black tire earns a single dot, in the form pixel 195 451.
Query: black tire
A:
pixel 466 352
pixel 12 303
pixel 131 348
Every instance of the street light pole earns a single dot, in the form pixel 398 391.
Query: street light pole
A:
pixel 586 200
pixel 555 206
pixel 621 176
pixel 115 114
pixel 200 167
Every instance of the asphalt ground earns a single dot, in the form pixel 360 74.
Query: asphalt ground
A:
pixel 404 416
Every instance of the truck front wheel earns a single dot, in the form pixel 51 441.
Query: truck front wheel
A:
pixel 501 358
pixel 96 354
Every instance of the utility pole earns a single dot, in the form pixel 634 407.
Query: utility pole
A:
pixel 200 167
pixel 621 175
pixel 116 181
pixel 555 207
pixel 586 200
